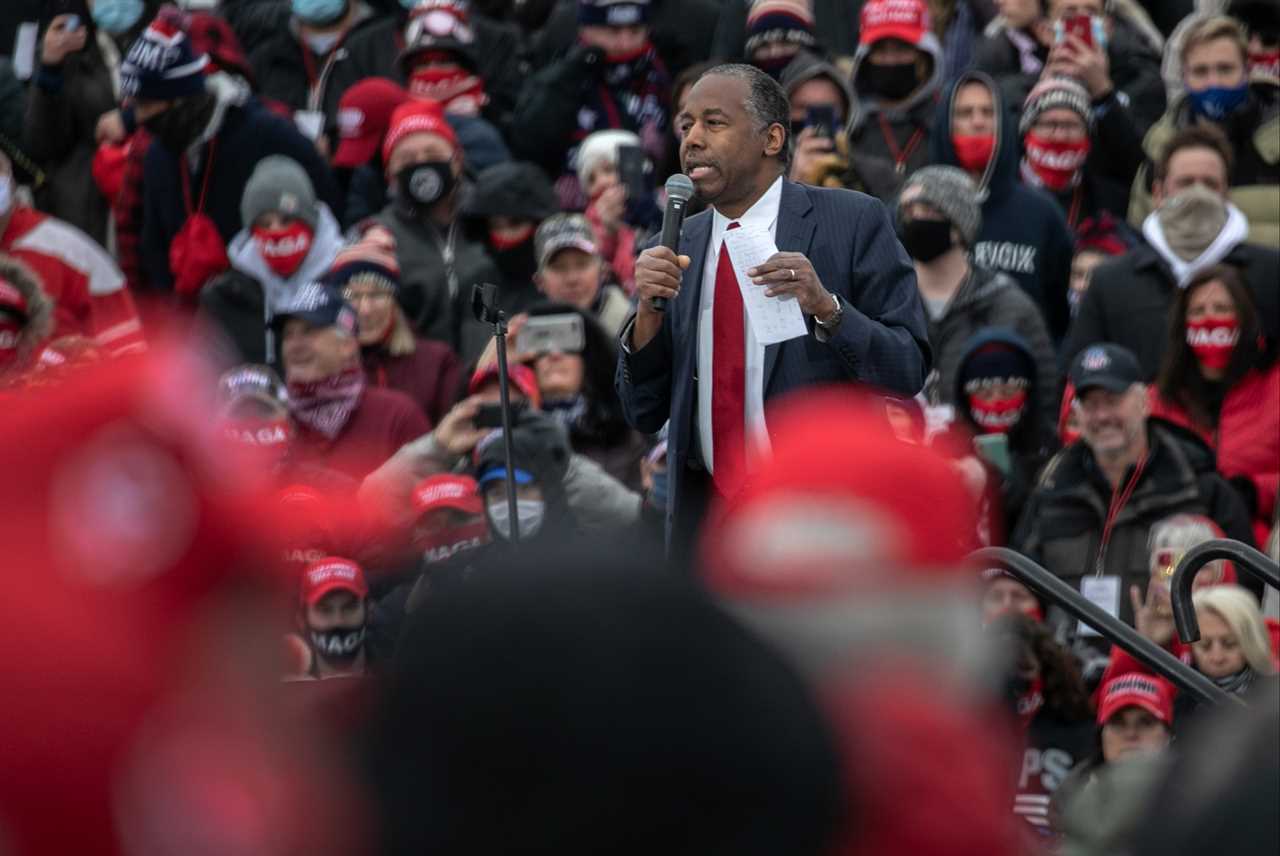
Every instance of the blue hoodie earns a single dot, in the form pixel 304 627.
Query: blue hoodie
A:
pixel 1024 233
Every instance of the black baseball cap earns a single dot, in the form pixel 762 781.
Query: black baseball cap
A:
pixel 320 305
pixel 1110 367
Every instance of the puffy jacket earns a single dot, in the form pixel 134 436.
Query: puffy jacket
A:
pixel 1246 439
pixel 1061 528
pixel 1255 173
pixel 1129 298
pixel 990 301
pixel 1024 233
pixel 36 328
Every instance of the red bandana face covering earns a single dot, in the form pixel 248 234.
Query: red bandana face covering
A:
pixel 1055 162
pixel 1213 341
pixel 325 406
pixel 263 443
pixel 441 546
pixel 974 152
pixel 502 241
pixel 458 90
pixel 284 249
pixel 10 334
pixel 1000 415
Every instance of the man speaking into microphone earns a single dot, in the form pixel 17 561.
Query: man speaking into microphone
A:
pixel 696 357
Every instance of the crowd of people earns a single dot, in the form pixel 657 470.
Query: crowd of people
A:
pixel 254 424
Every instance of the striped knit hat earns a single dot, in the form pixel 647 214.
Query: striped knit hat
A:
pixel 161 65
pixel 372 258
pixel 786 21
pixel 1050 93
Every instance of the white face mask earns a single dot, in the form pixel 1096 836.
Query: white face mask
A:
pixel 529 511
pixel 6 194
pixel 322 43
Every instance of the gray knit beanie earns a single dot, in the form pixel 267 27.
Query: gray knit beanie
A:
pixel 953 193
pixel 279 184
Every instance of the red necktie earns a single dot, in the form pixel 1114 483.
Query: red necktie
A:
pixel 728 377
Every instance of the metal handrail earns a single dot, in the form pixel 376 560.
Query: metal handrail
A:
pixel 1048 586
pixel 1242 555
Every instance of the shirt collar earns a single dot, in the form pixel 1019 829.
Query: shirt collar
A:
pixel 761 215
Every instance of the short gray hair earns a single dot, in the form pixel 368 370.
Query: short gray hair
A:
pixel 767 102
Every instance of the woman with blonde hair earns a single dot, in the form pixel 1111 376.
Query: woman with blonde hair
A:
pixel 1234 647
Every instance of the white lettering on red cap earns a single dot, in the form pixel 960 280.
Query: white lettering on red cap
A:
pixel 344 571
pixel 350 122
pixel 440 492
pixel 895 13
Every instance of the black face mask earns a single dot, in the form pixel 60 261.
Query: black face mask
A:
pixel 421 185
pixel 517 263
pixel 925 240
pixel 179 126
pixel 340 645
pixel 891 82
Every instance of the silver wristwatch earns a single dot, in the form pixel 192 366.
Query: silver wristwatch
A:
pixel 835 319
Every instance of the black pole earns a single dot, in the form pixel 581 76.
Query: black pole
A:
pixel 1048 586
pixel 1245 558
pixel 500 337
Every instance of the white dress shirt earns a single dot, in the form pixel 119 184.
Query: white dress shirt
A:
pixel 762 215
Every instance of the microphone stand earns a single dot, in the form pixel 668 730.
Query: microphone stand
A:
pixel 484 303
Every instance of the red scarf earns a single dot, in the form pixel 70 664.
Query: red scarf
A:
pixel 458 90
pixel 998 416
pixel 505 242
pixel 1213 341
pixel 325 406
pixel 283 249
pixel 1056 163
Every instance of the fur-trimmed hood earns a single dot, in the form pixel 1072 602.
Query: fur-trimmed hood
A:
pixel 39 312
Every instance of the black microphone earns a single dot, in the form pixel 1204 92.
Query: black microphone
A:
pixel 679 191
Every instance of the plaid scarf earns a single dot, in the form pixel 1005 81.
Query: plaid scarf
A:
pixel 325 406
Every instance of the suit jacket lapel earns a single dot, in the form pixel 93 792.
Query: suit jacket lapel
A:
pixel 794 235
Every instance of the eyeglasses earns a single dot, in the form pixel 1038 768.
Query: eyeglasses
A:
pixel 1057 128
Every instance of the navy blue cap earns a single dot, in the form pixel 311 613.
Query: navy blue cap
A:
pixel 1110 367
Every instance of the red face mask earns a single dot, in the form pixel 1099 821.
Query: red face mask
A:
pixel 1213 341
pixel 974 152
pixel 1000 415
pixel 1264 64
pixel 284 249
pixel 458 90
pixel 10 334
pixel 1055 162
pixel 447 543
pixel 510 241
pixel 262 443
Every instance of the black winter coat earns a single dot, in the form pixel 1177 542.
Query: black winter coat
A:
pixel 1062 525
pixel 1129 300
pixel 681 31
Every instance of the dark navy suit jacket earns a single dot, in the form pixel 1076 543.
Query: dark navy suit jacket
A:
pixel 882 340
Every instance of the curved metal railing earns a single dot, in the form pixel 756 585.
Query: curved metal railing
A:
pixel 1243 556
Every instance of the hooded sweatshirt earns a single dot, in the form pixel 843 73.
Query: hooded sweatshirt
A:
pixel 1024 233
pixel 888 143
pixel 234 301
pixel 1233 233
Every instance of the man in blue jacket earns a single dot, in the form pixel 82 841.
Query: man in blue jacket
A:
pixel 209 135
pixel 699 363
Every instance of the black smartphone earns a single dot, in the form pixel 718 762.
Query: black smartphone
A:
pixel 631 162
pixel 490 415
pixel 822 118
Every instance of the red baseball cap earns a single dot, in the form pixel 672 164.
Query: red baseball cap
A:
pixel 907 20
pixel 417 116
pixel 364 115
pixel 522 378
pixel 448 491
pixel 332 574
pixel 1152 694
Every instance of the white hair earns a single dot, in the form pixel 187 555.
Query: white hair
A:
pixel 1181 532
pixel 1238 608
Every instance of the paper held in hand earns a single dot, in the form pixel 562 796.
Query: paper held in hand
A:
pixel 773 319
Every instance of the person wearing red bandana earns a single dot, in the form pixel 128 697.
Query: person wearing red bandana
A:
pixel 344 425
pixel 26 319
pixel 289 239
pixel 1058 136
pixel 440 60
pixel 393 357
pixel 1220 378
pixel 611 78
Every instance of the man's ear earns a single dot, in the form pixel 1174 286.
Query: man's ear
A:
pixel 775 140
pixel 537 281
pixel 1157 193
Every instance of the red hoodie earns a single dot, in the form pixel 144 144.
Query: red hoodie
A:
pixel 88 290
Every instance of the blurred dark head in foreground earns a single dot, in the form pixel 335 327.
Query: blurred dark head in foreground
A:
pixel 556 705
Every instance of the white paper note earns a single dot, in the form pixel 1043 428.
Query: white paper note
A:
pixel 773 319
pixel 1102 592
pixel 24 50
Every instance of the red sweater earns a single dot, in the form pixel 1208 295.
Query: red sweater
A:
pixel 88 291
pixel 429 375
pixel 383 421
pixel 1247 439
